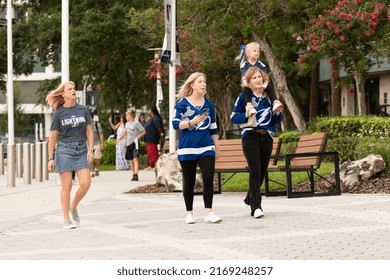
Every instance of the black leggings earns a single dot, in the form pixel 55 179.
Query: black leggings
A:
pixel 207 167
pixel 257 149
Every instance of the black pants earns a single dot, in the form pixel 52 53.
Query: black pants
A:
pixel 207 167
pixel 257 149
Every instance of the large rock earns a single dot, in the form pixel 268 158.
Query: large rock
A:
pixel 355 172
pixel 168 173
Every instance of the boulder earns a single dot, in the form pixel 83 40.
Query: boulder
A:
pixel 168 173
pixel 355 172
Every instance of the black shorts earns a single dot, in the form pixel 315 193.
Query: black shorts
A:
pixel 131 152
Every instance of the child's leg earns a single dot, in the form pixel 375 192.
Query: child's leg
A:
pixel 271 93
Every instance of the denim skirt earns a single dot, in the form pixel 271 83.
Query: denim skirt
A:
pixel 71 156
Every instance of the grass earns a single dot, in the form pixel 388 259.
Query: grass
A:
pixel 239 182
pixel 107 167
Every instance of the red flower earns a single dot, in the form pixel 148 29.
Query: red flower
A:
pixel 337 31
pixel 329 24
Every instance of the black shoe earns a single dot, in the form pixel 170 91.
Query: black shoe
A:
pixel 135 177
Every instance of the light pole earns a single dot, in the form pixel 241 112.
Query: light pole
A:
pixel 159 92
pixel 65 42
pixel 10 93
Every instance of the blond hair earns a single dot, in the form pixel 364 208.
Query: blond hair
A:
pixel 186 89
pixel 55 98
pixel 242 57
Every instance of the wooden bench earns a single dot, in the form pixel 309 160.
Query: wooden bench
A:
pixel 307 157
pixel 232 159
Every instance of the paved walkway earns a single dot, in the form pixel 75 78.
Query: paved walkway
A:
pixel 122 226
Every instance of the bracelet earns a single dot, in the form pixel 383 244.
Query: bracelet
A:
pixel 189 123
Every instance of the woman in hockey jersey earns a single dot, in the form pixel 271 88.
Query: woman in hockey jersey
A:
pixel 257 139
pixel 198 142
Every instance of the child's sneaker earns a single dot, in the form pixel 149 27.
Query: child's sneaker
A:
pixel 135 177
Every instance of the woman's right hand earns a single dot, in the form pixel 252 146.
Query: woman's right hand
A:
pixel 198 119
pixel 51 165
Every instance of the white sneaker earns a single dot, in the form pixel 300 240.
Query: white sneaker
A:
pixel 277 107
pixel 212 218
pixel 258 213
pixel 190 219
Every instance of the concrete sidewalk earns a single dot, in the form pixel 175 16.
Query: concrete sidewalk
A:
pixel 122 226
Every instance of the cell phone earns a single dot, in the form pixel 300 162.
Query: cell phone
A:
pixel 205 111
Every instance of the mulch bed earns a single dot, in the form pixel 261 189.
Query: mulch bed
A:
pixel 378 185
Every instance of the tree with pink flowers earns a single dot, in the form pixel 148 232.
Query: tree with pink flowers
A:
pixel 354 35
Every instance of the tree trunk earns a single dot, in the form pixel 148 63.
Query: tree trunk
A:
pixel 280 83
pixel 314 92
pixel 223 105
pixel 335 93
pixel 361 100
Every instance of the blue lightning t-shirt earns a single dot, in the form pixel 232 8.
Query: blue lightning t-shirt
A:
pixel 195 142
pixel 71 123
pixel 264 117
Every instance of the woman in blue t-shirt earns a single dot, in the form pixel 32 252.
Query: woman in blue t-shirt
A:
pixel 198 142
pixel 71 138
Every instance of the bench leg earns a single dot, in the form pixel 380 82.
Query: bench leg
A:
pixel 266 184
pixel 219 183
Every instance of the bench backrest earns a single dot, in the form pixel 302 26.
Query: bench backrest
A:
pixel 232 157
pixel 313 143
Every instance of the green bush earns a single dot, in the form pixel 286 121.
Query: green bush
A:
pixel 345 146
pixel 289 136
pixel 108 157
pixel 355 126
pixel 376 146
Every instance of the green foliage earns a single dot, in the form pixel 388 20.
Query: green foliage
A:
pixel 355 126
pixel 239 182
pixel 103 47
pixel 289 136
pixel 21 120
pixel 345 146
pixel 352 26
pixel 108 157
pixel 376 146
